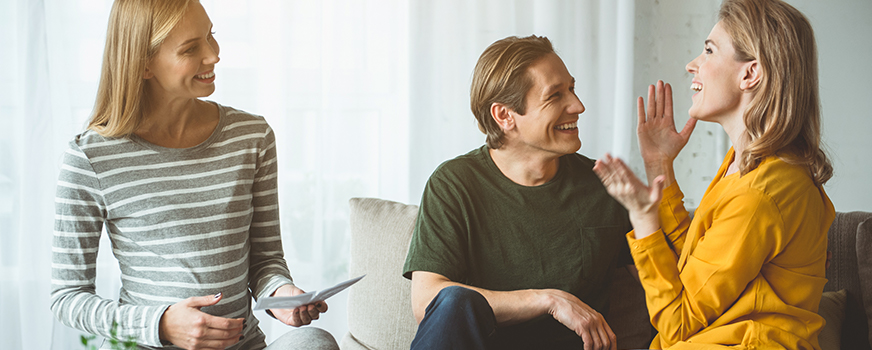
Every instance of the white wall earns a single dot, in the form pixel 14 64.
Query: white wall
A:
pixel 671 33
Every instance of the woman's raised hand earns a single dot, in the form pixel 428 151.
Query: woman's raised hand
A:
pixel 659 141
pixel 642 202
pixel 185 326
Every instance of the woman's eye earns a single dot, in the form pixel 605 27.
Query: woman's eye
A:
pixel 191 49
pixel 708 51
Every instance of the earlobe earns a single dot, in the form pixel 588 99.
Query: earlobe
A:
pixel 503 116
pixel 147 74
pixel 752 75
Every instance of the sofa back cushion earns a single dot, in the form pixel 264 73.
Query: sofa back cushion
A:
pixel 844 273
pixel 380 305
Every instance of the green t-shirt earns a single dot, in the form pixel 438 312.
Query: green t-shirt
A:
pixel 477 227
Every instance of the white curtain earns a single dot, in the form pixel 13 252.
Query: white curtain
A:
pixel 366 98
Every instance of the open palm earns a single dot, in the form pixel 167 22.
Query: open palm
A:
pixel 659 141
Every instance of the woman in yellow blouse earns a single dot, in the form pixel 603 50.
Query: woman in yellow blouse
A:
pixel 748 271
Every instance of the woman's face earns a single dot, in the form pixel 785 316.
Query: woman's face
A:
pixel 716 79
pixel 184 64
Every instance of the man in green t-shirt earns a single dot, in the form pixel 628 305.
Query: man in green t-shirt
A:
pixel 515 241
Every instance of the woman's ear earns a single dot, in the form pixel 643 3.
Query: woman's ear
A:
pixel 147 74
pixel 503 116
pixel 751 75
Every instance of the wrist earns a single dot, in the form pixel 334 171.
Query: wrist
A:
pixel 645 222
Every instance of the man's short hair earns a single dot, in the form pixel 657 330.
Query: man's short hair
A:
pixel 501 77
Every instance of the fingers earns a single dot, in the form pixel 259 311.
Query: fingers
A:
pixel 688 128
pixel 640 108
pixel 198 302
pixel 587 340
pixel 224 324
pixel 667 101
pixel 656 191
pixel 652 104
pixel 661 100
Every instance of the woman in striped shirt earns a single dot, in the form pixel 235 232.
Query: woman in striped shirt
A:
pixel 186 189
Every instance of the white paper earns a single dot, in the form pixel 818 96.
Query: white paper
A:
pixel 303 299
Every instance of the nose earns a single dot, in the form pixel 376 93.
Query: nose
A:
pixel 576 107
pixel 692 66
pixel 212 53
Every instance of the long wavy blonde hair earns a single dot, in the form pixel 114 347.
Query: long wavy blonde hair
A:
pixel 136 30
pixel 783 119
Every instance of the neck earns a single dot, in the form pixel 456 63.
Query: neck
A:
pixel 737 132
pixel 525 169
pixel 168 115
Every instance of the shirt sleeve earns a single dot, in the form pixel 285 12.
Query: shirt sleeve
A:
pixel 268 270
pixel 746 231
pixel 438 242
pixel 79 215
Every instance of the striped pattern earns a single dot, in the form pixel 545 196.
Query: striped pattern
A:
pixel 183 222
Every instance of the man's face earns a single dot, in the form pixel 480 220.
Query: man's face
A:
pixel 549 125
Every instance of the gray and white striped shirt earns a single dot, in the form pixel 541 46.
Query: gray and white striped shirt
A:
pixel 182 222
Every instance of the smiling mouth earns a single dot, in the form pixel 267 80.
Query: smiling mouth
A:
pixel 567 126
pixel 696 87
pixel 205 76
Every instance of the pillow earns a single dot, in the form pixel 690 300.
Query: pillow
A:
pixel 864 268
pixel 380 305
pixel 832 309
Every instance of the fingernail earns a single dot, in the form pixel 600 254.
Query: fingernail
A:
pixel 218 295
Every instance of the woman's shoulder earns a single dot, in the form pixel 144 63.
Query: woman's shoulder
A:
pixel 781 182
pixel 235 115
pixel 90 144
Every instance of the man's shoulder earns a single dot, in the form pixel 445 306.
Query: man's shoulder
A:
pixel 469 164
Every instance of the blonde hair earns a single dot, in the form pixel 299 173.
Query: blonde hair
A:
pixel 500 76
pixel 136 30
pixel 783 119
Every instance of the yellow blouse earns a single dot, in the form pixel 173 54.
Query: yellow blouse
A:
pixel 748 271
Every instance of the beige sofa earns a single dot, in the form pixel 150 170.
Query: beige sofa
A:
pixel 380 312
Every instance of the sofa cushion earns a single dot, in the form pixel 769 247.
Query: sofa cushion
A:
pixel 832 309
pixel 380 306
pixel 864 267
pixel 843 274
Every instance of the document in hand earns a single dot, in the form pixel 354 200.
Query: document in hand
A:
pixel 303 299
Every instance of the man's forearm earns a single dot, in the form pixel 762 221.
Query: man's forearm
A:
pixel 510 307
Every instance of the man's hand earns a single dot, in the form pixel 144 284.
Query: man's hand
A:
pixel 185 326
pixel 301 315
pixel 582 319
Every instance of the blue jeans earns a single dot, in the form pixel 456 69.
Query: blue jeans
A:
pixel 461 318
pixel 457 318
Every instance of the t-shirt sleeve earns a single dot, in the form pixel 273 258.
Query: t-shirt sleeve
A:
pixel 441 231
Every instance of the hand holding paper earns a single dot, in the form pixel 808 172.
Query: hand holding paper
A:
pixel 290 302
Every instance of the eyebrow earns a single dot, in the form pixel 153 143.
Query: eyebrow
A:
pixel 710 42
pixel 187 41
pixel 194 39
pixel 554 87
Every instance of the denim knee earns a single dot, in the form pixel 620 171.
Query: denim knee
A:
pixel 459 299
